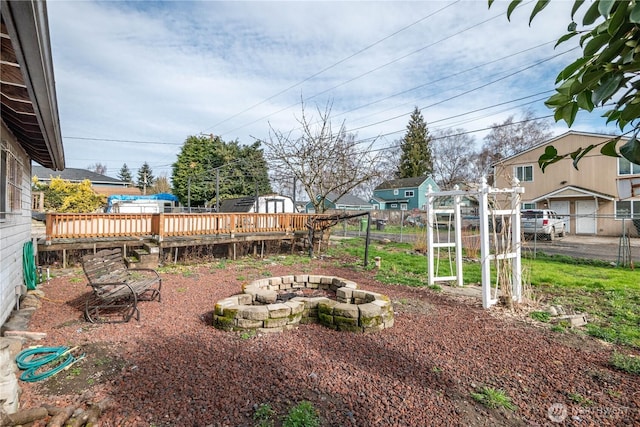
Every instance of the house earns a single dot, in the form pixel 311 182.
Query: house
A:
pixel 403 193
pixel 588 196
pixel 30 131
pixel 272 203
pixel 347 202
pixel 101 184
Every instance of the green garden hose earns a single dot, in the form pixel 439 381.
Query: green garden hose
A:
pixel 32 359
pixel 29 266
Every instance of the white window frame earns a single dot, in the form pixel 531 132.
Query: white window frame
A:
pixel 528 205
pixel 10 183
pixel 395 191
pixel 403 206
pixel 393 206
pixel 522 175
pixel 408 193
pixel 634 209
pixel 634 169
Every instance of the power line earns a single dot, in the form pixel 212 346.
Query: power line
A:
pixel 332 66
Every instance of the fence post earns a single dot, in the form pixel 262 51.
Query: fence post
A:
pixel 485 259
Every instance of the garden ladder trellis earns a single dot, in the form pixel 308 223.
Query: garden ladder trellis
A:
pixel 485 211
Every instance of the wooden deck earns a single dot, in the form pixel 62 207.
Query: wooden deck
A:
pixel 167 230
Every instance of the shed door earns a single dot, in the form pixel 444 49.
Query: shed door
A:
pixel 586 217
pixel 562 209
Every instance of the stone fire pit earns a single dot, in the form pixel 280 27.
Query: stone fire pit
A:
pixel 281 303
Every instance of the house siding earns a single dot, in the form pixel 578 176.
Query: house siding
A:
pixel 597 173
pixel 387 197
pixel 15 231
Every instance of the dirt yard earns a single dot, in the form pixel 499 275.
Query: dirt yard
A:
pixel 172 368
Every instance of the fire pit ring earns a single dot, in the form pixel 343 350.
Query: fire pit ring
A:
pixel 258 308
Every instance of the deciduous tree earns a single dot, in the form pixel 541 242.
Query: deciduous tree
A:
pixel 322 160
pixel 453 151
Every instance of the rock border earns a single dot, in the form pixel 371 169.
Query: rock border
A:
pixel 256 309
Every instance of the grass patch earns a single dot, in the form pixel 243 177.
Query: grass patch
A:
pixel 493 398
pixel 263 415
pixel 628 364
pixel 540 316
pixel 302 415
pixel 609 295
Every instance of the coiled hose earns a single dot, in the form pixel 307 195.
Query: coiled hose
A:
pixel 32 359
pixel 29 266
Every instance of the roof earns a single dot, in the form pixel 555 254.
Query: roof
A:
pixel 76 175
pixel 402 183
pixel 572 191
pixel 29 106
pixel 347 199
pixel 556 138
pixel 238 204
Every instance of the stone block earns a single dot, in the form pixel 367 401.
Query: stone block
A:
pixel 574 320
pixel 326 306
pixel 266 296
pixel 346 310
pixel 344 292
pixel 296 306
pixel 312 285
pixel 326 280
pixel 341 320
pixel 285 286
pixel 231 311
pixel 245 299
pixel 260 283
pixel 277 311
pixel 275 323
pixel 308 320
pixel 301 279
pixel 288 279
pixel 384 305
pixel 294 319
pixel 222 322
pixel 249 324
pixel 273 287
pixel 315 301
pixel 256 312
pixel 275 281
pixel 358 294
pixel 369 310
pixel 326 319
pixel 314 279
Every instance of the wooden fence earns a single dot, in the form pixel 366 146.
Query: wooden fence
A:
pixel 159 226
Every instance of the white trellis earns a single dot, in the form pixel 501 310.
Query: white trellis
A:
pixel 489 292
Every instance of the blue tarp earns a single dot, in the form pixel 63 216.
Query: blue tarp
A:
pixel 123 197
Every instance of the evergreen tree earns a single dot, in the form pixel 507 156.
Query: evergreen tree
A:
pixel 415 158
pixel 145 178
pixel 240 170
pixel 125 174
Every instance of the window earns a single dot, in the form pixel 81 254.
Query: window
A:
pixel 528 206
pixel 628 209
pixel 10 190
pixel 625 167
pixel 394 206
pixel 523 173
pixel 408 193
pixel 395 192
pixel 403 206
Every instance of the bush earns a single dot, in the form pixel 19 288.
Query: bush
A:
pixel 302 415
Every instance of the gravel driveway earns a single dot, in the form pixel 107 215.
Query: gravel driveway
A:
pixel 173 369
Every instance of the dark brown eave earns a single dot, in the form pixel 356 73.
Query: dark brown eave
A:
pixel 27 85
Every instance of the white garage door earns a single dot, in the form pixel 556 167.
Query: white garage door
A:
pixel 585 217
pixel 562 209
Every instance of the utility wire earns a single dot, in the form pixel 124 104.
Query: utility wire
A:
pixel 331 66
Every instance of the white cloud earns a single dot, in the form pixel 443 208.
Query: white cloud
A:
pixel 161 71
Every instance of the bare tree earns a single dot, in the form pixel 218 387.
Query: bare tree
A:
pixel 321 160
pixel 160 185
pixel 98 168
pixel 453 154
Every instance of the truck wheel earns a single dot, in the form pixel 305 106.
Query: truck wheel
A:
pixel 552 235
pixel 562 233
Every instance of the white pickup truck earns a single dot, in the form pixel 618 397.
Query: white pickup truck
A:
pixel 543 222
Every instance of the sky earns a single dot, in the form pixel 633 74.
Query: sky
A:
pixel 135 79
